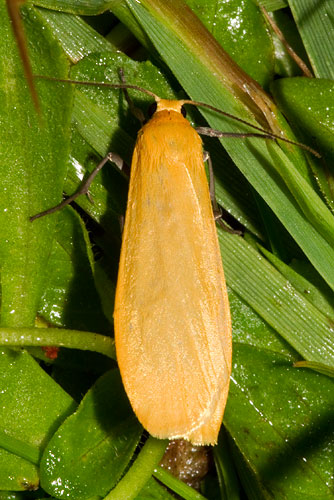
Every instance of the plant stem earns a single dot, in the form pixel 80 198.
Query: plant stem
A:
pixel 140 472
pixel 58 337
pixel 176 485
pixel 19 448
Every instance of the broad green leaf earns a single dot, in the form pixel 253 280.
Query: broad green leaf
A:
pixel 33 155
pixel 89 452
pixel 70 298
pixel 280 419
pixel 31 408
pixel 17 473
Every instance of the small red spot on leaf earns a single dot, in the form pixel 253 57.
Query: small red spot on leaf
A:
pixel 51 352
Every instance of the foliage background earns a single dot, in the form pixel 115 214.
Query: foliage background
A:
pixel 277 440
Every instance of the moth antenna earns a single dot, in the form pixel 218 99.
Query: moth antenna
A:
pixel 267 134
pixel 100 84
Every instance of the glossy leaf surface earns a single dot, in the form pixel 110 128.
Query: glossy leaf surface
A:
pixel 89 452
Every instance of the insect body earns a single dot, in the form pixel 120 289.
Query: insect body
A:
pixel 172 319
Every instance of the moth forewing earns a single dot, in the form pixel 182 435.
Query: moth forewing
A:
pixel 172 319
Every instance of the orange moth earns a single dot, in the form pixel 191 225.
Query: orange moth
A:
pixel 172 318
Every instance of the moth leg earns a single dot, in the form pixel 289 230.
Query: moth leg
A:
pixel 216 210
pixel 217 213
pixel 121 221
pixel 210 132
pixel 137 112
pixel 113 157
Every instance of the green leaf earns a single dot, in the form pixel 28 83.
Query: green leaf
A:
pixel 33 156
pixel 14 495
pixel 284 64
pixel 322 299
pixel 89 452
pixel 176 485
pixel 13 445
pixel 273 297
pixel 315 22
pixel 280 420
pixel 83 7
pixel 251 329
pixel 307 198
pixel 17 473
pixel 154 491
pixel 228 481
pixel 76 37
pixel 272 5
pixel 309 103
pixel 240 28
pixel 141 471
pixel 70 298
pixel 318 367
pixel 28 416
pixel 29 146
